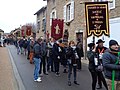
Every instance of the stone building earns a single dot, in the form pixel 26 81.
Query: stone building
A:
pixel 41 22
pixel 1 34
pixel 73 13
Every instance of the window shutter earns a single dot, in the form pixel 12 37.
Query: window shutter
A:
pixel 72 11
pixel 64 13
pixel 55 14
pixel 50 18
pixel 111 4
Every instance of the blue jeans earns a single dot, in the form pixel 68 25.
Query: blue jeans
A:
pixel 70 71
pixel 37 67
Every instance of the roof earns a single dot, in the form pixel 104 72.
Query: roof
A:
pixel 1 30
pixel 41 10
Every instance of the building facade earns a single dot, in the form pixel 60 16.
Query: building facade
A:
pixel 1 33
pixel 73 13
pixel 41 22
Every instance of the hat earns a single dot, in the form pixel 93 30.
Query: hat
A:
pixel 112 42
pixel 91 45
pixel 99 41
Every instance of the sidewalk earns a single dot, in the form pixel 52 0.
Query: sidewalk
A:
pixel 7 79
pixel 85 61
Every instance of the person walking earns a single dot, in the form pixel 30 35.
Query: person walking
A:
pixel 100 49
pixel 50 55
pixel 62 53
pixel 44 58
pixel 80 52
pixel 91 55
pixel 37 59
pixel 111 64
pixel 72 57
pixel 31 50
pixel 56 57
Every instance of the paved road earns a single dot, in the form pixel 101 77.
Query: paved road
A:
pixel 49 82
pixel 7 80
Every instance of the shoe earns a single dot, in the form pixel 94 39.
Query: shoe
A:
pixel 38 80
pixel 41 75
pixel 75 82
pixel 52 71
pixel 69 83
pixel 35 80
pixel 46 73
pixel 57 74
pixel 65 71
pixel 99 87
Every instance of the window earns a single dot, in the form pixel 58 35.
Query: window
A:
pixel 43 24
pixel 52 15
pixel 68 12
pixel 111 3
pixel 38 25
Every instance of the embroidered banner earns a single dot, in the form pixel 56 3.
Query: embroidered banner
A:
pixel 23 29
pixel 97 18
pixel 28 30
pixel 57 28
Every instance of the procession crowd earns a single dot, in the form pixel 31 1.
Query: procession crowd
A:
pixel 48 55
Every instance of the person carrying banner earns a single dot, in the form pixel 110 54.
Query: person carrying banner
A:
pixel 80 52
pixel 111 64
pixel 91 55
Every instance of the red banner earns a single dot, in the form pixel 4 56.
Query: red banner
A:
pixel 57 28
pixel 28 30
pixel 23 30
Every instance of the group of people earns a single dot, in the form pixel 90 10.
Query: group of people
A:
pixel 102 59
pixel 47 56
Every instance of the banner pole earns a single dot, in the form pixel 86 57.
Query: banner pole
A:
pixel 96 1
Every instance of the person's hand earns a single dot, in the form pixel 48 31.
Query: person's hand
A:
pixel 58 57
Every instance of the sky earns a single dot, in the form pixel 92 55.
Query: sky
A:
pixel 14 13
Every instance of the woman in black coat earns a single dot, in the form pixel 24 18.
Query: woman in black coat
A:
pixel 72 57
pixel 91 55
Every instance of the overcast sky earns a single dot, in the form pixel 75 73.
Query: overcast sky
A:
pixel 14 13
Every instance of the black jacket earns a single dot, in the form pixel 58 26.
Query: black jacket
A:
pixel 37 50
pixel 71 55
pixel 91 55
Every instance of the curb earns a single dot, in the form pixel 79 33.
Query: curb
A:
pixel 20 85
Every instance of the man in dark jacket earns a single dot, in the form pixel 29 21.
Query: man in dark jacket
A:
pixel 37 59
pixel 99 51
pixel 56 57
pixel 43 61
pixel 111 63
pixel 79 49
